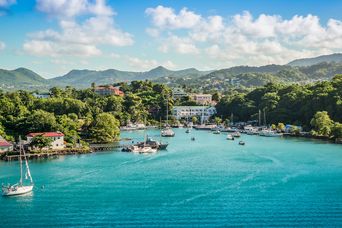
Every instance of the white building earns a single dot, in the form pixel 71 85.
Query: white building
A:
pixel 41 95
pixel 202 99
pixel 5 146
pixel 57 139
pixel 204 112
pixel 178 93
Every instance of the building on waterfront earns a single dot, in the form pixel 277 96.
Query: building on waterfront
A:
pixel 5 146
pixel 57 139
pixel 185 112
pixel 202 99
pixel 178 93
pixel 108 90
pixel 41 95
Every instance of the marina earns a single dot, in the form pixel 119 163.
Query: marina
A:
pixel 205 182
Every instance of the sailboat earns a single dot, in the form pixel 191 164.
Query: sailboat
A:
pixel 167 131
pixel 20 188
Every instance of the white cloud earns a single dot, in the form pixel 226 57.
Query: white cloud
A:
pixel 77 38
pixel 179 45
pixel 243 39
pixel 148 64
pixel 6 3
pixel 165 17
pixel 72 8
pixel 2 45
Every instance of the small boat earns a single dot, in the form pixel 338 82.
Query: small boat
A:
pixel 270 133
pixel 236 134
pixel 141 150
pixel 20 188
pixel 230 137
pixel 187 130
pixel 192 138
pixel 217 132
pixel 153 143
pixel 242 143
pixel 167 132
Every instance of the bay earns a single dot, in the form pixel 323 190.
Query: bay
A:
pixel 204 183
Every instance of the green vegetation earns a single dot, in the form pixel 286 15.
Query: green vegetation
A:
pixel 82 113
pixel 240 77
pixel 40 142
pixel 105 128
pixel 245 78
pixel 310 106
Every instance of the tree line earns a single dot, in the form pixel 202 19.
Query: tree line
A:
pixel 82 113
pixel 317 107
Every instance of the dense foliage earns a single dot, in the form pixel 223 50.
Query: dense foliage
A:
pixel 83 113
pixel 293 104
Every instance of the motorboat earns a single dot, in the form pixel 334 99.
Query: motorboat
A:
pixel 217 132
pixel 242 143
pixel 141 149
pixel 236 134
pixel 270 133
pixel 167 132
pixel 230 137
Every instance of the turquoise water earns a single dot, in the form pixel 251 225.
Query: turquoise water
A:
pixel 208 182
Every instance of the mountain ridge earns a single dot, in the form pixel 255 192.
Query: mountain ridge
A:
pixel 23 78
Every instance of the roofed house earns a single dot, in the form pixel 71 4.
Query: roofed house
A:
pixel 108 90
pixel 57 139
pixel 5 146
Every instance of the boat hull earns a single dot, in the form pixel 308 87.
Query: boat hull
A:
pixel 14 191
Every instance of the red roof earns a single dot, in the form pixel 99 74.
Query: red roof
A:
pixel 46 134
pixel 115 90
pixel 4 143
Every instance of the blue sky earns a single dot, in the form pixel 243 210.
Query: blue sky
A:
pixel 52 37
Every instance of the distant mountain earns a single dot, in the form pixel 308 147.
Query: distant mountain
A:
pixel 300 70
pixel 245 76
pixel 84 78
pixel 337 58
pixel 21 78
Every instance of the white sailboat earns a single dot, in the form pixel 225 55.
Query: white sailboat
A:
pixel 20 188
pixel 167 131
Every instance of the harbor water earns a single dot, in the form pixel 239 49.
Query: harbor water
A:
pixel 208 182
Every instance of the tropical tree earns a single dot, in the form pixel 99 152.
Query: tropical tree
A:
pixel 321 123
pixel 194 119
pixel 217 120
pixel 337 130
pixel 40 142
pixel 40 121
pixel 281 127
pixel 105 128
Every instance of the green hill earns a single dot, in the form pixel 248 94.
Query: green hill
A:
pixel 21 78
pixel 337 58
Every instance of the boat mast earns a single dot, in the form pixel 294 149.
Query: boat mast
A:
pixel 167 110
pixel 21 163
pixel 28 172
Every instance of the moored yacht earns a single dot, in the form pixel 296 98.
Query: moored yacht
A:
pixel 236 134
pixel 167 132
pixel 270 133
pixel 230 137
pixel 20 188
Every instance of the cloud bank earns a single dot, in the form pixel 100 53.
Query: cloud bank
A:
pixel 242 38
